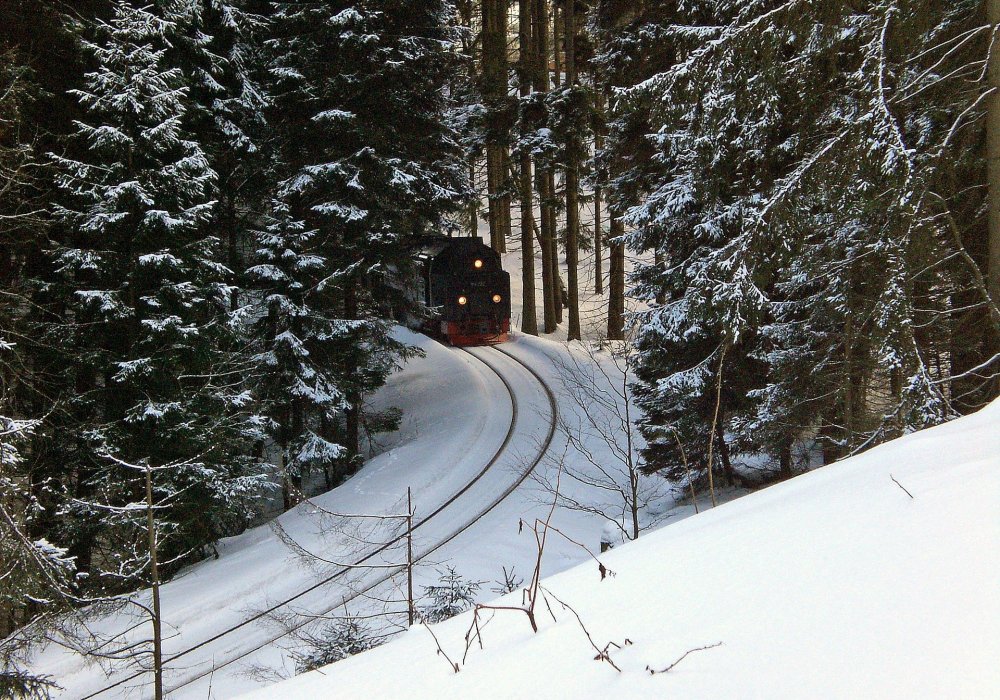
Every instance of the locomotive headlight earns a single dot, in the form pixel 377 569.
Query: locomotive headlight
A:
pixel 497 298
pixel 478 264
pixel 462 301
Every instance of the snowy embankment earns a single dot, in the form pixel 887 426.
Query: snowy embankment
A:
pixel 455 415
pixel 835 584
pixel 456 412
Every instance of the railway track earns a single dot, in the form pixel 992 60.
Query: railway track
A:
pixel 195 675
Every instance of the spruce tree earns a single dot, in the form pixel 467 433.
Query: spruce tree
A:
pixel 372 165
pixel 146 335
pixel 799 198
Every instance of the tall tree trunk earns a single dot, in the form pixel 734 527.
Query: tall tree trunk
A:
pixel 572 186
pixel 352 415
pixel 506 199
pixel 529 320
pixel 474 202
pixel 560 288
pixel 543 176
pixel 658 260
pixel 550 293
pixel 993 161
pixel 785 460
pixel 494 89
pixel 598 203
pixel 466 12
pixel 616 282
pixel 556 40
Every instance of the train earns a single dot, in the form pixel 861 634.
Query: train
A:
pixel 463 282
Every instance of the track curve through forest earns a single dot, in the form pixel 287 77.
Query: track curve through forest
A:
pixel 230 651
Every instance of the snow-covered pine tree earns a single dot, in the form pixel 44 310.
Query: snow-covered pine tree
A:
pixel 334 642
pixel 372 165
pixel 297 362
pixel 801 155
pixel 450 596
pixel 218 45
pixel 146 334
pixel 36 577
pixel 682 338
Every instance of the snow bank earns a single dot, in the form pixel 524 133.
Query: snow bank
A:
pixel 835 584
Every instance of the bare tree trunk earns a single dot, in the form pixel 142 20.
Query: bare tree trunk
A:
pixel 556 56
pixel 494 88
pixel 474 203
pixel 785 460
pixel 466 10
pixel 598 242
pixel 993 162
pixel 550 294
pixel 616 282
pixel 506 199
pixel 154 573
pixel 529 320
pixel 715 423
pixel 553 218
pixel 598 203
pixel 572 186
pixel 559 287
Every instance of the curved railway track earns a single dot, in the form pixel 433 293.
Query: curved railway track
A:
pixel 178 684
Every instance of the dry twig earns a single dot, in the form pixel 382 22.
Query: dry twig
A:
pixel 653 671
pixel 901 486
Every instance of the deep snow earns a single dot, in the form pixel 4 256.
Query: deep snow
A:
pixel 835 584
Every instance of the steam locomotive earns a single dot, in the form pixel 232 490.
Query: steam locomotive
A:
pixel 462 280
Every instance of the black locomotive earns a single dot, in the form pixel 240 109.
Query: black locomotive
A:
pixel 462 280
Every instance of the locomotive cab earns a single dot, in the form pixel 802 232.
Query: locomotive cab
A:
pixel 463 280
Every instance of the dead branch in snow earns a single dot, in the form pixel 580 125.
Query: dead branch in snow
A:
pixel 901 486
pixel 653 671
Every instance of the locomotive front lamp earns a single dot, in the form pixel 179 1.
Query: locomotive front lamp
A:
pixel 478 264
pixel 462 301
pixel 497 298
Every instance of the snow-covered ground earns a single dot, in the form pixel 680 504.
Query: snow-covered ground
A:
pixel 456 413
pixel 456 416
pixel 845 582
pixel 835 584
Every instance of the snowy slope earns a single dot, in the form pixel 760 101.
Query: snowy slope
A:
pixel 456 413
pixel 835 584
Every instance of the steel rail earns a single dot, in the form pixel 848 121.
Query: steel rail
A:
pixel 345 569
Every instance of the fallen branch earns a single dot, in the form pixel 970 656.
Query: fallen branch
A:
pixel 901 486
pixel 602 654
pixel 440 649
pixel 653 671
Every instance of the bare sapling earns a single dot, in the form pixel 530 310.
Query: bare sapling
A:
pixel 535 591
pixel 715 422
pixel 603 455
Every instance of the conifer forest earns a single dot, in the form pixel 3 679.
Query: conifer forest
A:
pixel 779 218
